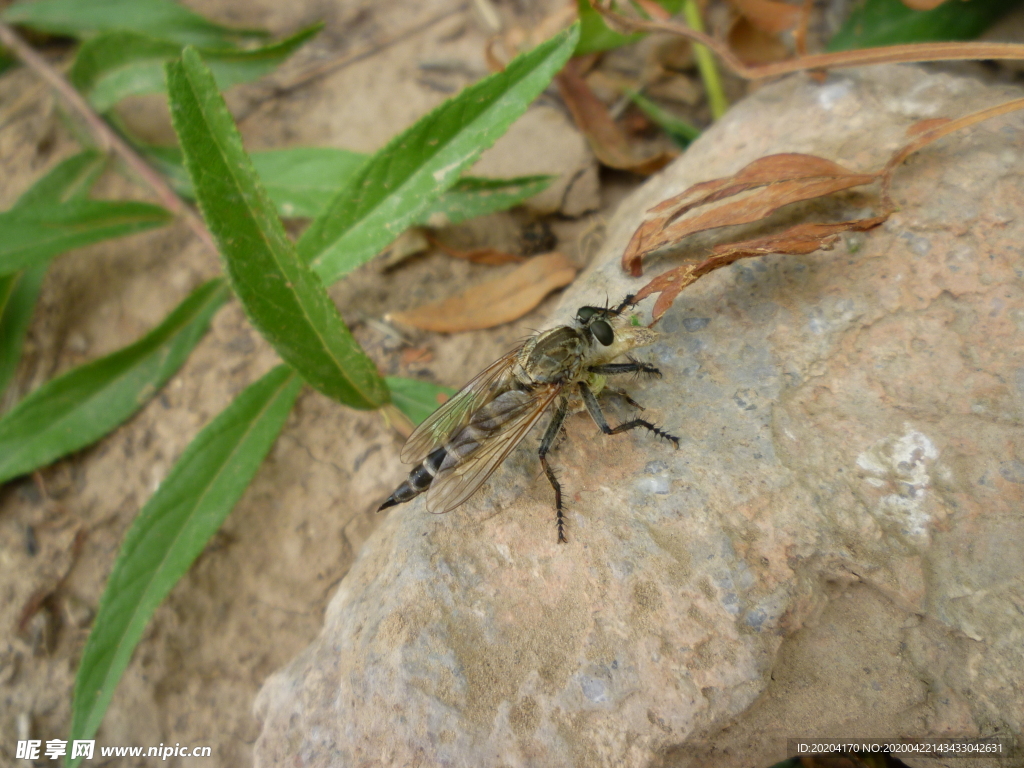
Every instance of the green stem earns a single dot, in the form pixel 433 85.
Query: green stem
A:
pixel 706 63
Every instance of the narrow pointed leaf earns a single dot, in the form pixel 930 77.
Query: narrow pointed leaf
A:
pixel 163 18
pixel 122 63
pixel 18 295
pixel 84 404
pixel 70 179
pixel 282 296
pixel 172 530
pixel 30 234
pixel 302 181
pixel 417 399
pixel 470 197
pixel 400 182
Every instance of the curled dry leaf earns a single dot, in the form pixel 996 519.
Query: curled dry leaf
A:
pixel 800 239
pixel 756 191
pixel 606 139
pixel 767 184
pixel 495 302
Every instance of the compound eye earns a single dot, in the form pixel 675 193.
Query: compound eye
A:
pixel 584 314
pixel 602 332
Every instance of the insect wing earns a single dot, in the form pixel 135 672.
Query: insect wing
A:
pixel 456 413
pixel 454 485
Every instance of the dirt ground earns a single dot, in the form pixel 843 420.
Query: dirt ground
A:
pixel 255 597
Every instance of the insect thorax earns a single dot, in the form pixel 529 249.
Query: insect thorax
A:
pixel 552 357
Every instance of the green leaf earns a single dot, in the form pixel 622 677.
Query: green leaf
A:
pixel 471 197
pixel 69 180
pixel 31 234
pixel 18 295
pixel 282 296
pixel 416 399
pixel 597 36
pixel 84 404
pixel 301 181
pixel 680 131
pixel 890 22
pixel 172 530
pixel 6 61
pixel 122 63
pixel 162 18
pixel 400 182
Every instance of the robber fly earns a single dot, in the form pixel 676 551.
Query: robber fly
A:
pixel 459 445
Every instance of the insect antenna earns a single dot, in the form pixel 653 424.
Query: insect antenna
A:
pixel 626 302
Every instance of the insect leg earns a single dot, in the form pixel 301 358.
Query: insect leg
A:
pixel 633 366
pixel 624 396
pixel 545 446
pixel 594 409
pixel 626 302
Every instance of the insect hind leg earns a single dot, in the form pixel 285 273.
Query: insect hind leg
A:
pixel 545 445
pixel 594 409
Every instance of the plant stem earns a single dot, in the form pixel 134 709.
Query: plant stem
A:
pixel 706 63
pixel 106 138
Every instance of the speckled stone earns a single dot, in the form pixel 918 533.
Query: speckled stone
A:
pixel 845 508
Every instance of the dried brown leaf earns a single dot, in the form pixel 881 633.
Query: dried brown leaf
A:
pixel 800 239
pixel 772 182
pixel 492 256
pixel 606 139
pixel 754 45
pixel 495 302
pixel 937 128
pixel 770 16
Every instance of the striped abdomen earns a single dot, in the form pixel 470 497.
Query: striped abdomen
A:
pixel 484 424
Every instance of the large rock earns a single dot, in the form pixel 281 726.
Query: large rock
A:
pixel 844 511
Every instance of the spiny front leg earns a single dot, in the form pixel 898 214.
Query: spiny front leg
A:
pixel 594 409
pixel 545 445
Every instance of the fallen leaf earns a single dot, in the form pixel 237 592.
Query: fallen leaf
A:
pixel 800 239
pixel 606 139
pixel 754 45
pixel 491 256
pixel 495 302
pixel 412 355
pixel 772 182
pixel 770 16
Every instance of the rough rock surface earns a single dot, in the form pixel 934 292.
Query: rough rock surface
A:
pixel 844 514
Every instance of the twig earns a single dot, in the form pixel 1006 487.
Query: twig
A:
pixel 106 138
